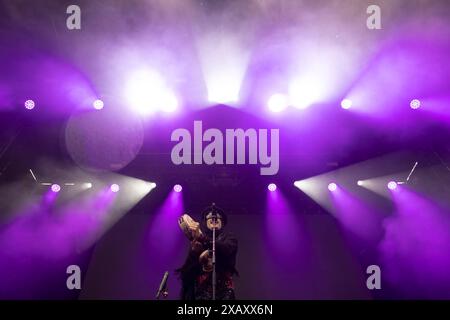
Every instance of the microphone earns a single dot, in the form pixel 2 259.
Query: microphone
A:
pixel 163 285
pixel 213 212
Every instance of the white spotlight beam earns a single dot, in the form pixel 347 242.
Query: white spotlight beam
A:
pixel 224 62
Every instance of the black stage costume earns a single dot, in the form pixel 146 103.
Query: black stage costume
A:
pixel 196 275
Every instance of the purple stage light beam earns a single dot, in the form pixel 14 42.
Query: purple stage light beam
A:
pixel 424 222
pixel 357 216
pixel 285 234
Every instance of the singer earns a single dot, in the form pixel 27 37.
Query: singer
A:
pixel 196 274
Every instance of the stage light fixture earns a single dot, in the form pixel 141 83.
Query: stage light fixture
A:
pixel 298 184
pixel 29 104
pixel 115 187
pixel 332 187
pixel 415 104
pixel 98 104
pixel 392 185
pixel 346 104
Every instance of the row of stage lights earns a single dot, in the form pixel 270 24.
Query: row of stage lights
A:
pixel 113 187
pixel 57 188
pixel 280 102
pixel 392 185
pixel 96 104
pixel 276 103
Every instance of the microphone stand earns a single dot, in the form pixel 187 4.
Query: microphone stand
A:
pixel 214 216
pixel 163 287
pixel 214 263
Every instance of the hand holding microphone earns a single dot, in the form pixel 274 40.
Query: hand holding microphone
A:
pixel 190 227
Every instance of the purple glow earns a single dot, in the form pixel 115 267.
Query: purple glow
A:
pixel 287 239
pixel 358 216
pixel 98 104
pixel 277 102
pixel 48 199
pixel 415 104
pixel 332 187
pixel 44 236
pixel 419 221
pixel 56 187
pixel 115 187
pixel 272 187
pixel 346 104
pixel 165 218
pixel 29 104
pixel 392 185
pixel 177 188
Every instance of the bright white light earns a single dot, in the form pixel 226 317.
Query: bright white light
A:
pixel 332 187
pixel 168 102
pixel 298 184
pixel 140 187
pixel 98 104
pixel 115 188
pixel 147 93
pixel 415 104
pixel 88 185
pixel 392 185
pixel 145 187
pixel 360 183
pixel 223 90
pixel 346 104
pixel 29 104
pixel 278 102
pixel 224 62
pixel 304 92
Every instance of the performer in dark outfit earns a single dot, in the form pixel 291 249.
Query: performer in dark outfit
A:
pixel 196 272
